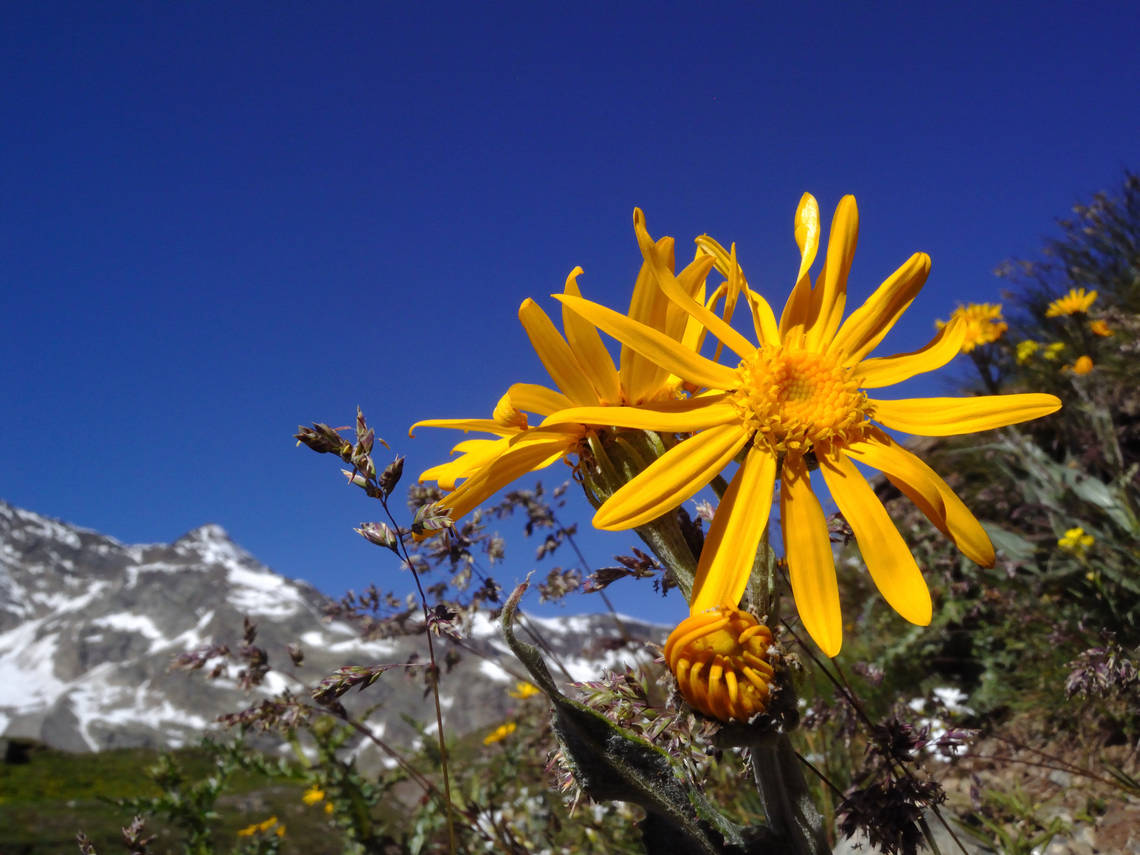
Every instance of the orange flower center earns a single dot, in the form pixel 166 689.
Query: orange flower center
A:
pixel 794 400
pixel 720 660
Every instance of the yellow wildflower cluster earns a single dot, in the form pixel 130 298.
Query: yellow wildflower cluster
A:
pixel 1076 542
pixel 1025 350
pixel 1077 301
pixel 982 324
pixel 801 394
pixel 1099 328
pixel 262 827
pixel 500 733
pixel 1053 350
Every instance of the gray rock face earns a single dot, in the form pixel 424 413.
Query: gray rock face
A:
pixel 89 627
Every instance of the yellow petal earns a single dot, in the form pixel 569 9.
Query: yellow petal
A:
pixel 587 346
pixel 672 478
pixel 794 318
pixel 641 378
pixel 535 398
pixel 888 558
pixel 889 370
pixel 476 453
pixel 763 319
pixel 674 357
pixel 555 354
pixel 811 566
pixel 867 325
pixel 483 425
pixel 537 450
pixel 930 494
pixel 681 416
pixel 730 547
pixel 675 292
pixel 830 296
pixel 952 416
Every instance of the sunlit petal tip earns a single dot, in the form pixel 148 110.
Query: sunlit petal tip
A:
pixel 572 280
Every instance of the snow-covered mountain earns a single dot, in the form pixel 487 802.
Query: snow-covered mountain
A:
pixel 89 627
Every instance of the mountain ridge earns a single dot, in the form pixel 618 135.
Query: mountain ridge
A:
pixel 89 627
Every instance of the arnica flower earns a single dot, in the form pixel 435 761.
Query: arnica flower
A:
pixel 720 659
pixel 1075 302
pixel 1025 350
pixel 1076 542
pixel 1100 328
pixel 313 795
pixel 585 375
pixel 500 733
pixel 524 690
pixel 1082 365
pixel 1053 350
pixel 796 400
pixel 982 323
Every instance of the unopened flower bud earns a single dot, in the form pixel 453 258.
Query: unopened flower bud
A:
pixel 720 660
pixel 380 534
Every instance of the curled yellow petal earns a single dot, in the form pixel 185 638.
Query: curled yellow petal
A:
pixel 952 416
pixel 670 354
pixel 482 425
pixel 889 370
pixel 555 354
pixel 685 415
pixel 830 297
pixel 811 566
pixel 671 479
pixel 794 318
pixel 741 519
pixel 591 354
pixel 888 558
pixel 930 494
pixel 867 325
pixel 535 398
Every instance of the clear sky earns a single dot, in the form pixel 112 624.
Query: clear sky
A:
pixel 220 220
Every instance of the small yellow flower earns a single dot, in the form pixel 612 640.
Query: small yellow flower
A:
pixel 982 323
pixel 329 807
pixel 1076 301
pixel 1025 350
pixel 1076 542
pixel 1083 365
pixel 257 827
pixel 313 795
pixel 1099 328
pixel 1053 350
pixel 500 733
pixel 280 832
pixel 524 690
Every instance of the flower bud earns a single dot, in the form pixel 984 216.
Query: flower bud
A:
pixel 720 660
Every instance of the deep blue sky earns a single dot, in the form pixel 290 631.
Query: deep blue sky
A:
pixel 222 220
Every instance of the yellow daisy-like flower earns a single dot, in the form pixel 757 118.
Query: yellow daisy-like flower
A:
pixel 1099 328
pixel 500 733
pixel 1025 350
pixel 982 324
pixel 1076 542
pixel 313 795
pixel 796 399
pixel 524 690
pixel 585 375
pixel 1076 301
